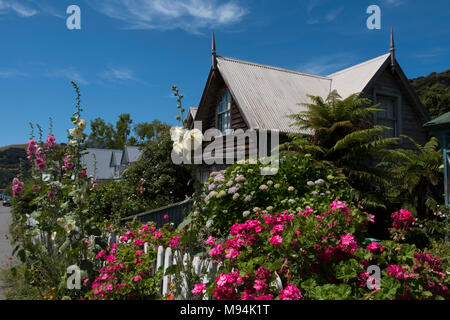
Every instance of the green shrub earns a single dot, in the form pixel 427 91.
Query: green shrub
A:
pixel 239 192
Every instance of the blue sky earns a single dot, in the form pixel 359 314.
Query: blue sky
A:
pixel 129 53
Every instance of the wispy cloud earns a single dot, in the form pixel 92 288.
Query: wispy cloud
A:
pixel 121 74
pixel 11 73
pixel 327 64
pixel 29 8
pixel 189 15
pixel 394 3
pixel 431 54
pixel 23 8
pixel 68 73
pixel 325 16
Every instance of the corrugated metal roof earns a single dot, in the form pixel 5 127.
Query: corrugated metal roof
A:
pixel 355 78
pixel 266 94
pixel 97 162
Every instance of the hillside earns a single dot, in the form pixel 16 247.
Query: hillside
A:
pixel 10 158
pixel 434 92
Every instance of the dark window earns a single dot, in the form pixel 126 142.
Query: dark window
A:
pixel 223 112
pixel 388 116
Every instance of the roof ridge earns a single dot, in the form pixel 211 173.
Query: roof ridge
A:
pixel 358 65
pixel 274 68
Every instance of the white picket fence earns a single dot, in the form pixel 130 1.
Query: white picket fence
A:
pixel 166 257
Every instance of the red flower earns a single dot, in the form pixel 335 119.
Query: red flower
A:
pixel 10 258
pixel 83 174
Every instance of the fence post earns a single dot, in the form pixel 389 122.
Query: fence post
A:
pixel 167 263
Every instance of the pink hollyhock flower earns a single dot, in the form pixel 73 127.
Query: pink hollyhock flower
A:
pixel 50 142
pixel 51 195
pixel 123 239
pixel 17 187
pixel 198 288
pixel 34 187
pixel 141 190
pixel 276 240
pixel 85 280
pixel 297 232
pixel 291 292
pixel 32 147
pixel 210 240
pixel 137 278
pixel 166 216
pixel 109 287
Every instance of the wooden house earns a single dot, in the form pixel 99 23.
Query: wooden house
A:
pixel 246 95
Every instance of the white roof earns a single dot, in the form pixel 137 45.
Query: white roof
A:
pixel 355 79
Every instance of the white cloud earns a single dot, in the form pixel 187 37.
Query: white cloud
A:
pixel 189 15
pixel 11 73
pixel 325 16
pixel 70 74
pixel 122 74
pixel 394 3
pixel 327 64
pixel 23 8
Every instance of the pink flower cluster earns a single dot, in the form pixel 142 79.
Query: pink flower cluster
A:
pixel 291 292
pixel 399 272
pixel 17 187
pixel 36 152
pixel 402 219
pixel 198 288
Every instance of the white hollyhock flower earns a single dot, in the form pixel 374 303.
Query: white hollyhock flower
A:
pixel 177 133
pixel 192 139
pixel 81 124
pixel 178 148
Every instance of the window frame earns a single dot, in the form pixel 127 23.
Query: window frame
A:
pixel 222 114
pixel 392 93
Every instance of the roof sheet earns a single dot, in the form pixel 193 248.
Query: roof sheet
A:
pixel 97 162
pixel 266 94
pixel 443 121
pixel 130 154
pixel 355 78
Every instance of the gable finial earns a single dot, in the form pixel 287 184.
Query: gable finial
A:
pixel 392 50
pixel 214 60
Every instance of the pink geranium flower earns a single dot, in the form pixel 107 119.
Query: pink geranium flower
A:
pixel 276 240
pixel 210 240
pixel 198 288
